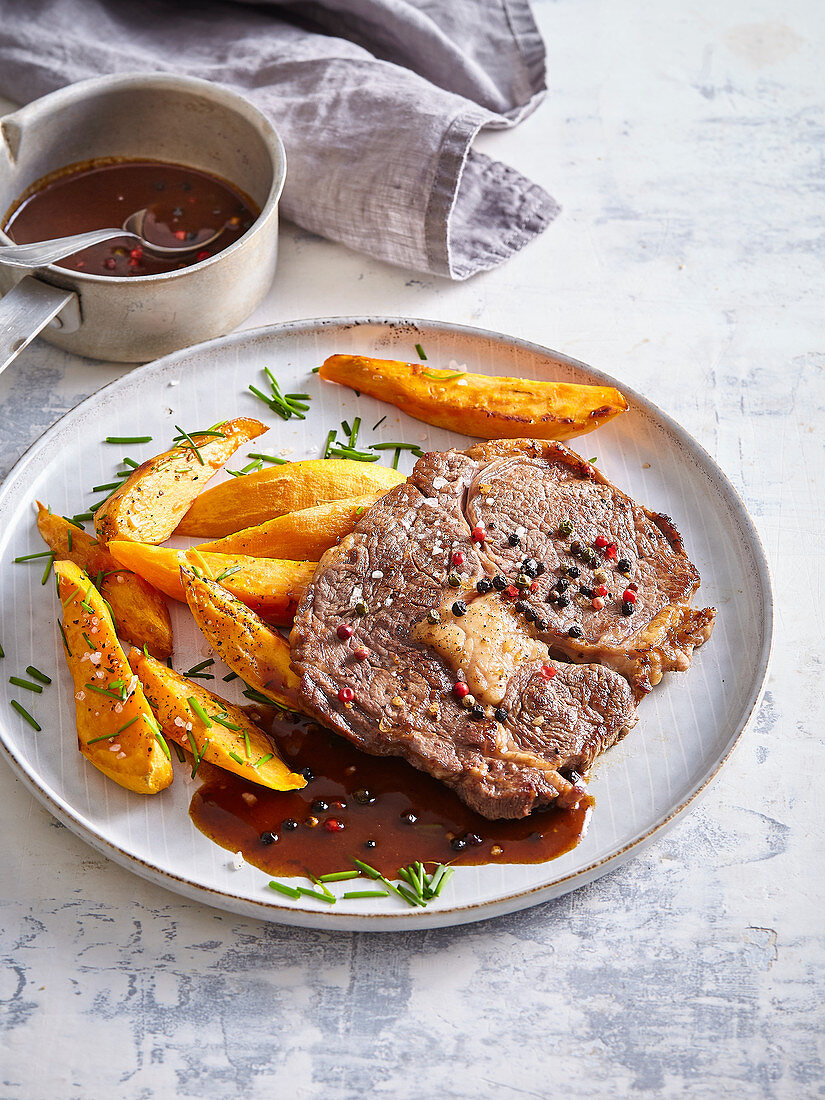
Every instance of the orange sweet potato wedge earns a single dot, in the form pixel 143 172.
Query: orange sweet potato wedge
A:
pixel 479 404
pixel 149 504
pixel 140 612
pixel 251 648
pixel 116 730
pixel 269 586
pixel 254 499
pixel 228 738
pixel 301 536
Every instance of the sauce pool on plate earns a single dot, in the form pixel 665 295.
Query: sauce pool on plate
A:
pixel 185 206
pixel 378 809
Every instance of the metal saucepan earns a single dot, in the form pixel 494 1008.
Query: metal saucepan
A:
pixel 153 117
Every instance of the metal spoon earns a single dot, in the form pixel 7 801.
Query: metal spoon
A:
pixel 41 253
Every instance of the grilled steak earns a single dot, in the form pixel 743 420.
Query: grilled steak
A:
pixel 456 626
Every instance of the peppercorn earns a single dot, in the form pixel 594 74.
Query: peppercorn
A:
pixel 291 824
pixel 361 607
pixel 530 566
pixel 499 582
pixel 484 585
pixel 460 690
pixel 627 607
pixel 562 583
pixel 501 714
pixel 433 616
pixel 586 592
pixel 530 615
pixel 458 844
pixel 552 595
pixel 629 595
pixel 520 606
pixel 478 534
pixel 319 806
pixel 344 631
pixel 370 843
pixel 541 625
pixel 311 822
pixel 576 547
pixel 575 632
pixel 346 694
pixel 623 565
pixel 333 825
pixel 573 571
pixel 308 774
pixel 601 590
pixel 363 797
pixel 459 608
pixel 268 837
pixel 588 555
pixel 563 601
pixel 600 541
pixel 540 568
pixel 477 713
pixel 597 604
pixel 511 592
pixel 514 540
pixel 454 580
pixel 361 653
pixel 523 581
pixel 468 702
pixel 600 577
pixel 409 818
pixel 548 672
pixel 457 558
pixel 565 527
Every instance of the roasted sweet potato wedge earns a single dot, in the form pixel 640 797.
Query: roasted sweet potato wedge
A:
pixel 259 654
pixel 300 536
pixel 140 612
pixel 267 585
pixel 479 404
pixel 116 730
pixel 227 738
pixel 150 503
pixel 256 498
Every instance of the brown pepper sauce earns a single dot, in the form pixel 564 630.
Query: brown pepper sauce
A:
pixel 184 206
pixel 223 809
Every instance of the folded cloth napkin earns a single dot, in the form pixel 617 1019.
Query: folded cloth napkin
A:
pixel 377 102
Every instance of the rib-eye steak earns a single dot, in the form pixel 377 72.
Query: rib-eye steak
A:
pixel 494 620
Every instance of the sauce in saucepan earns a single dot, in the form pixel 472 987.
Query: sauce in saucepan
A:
pixel 378 809
pixel 185 206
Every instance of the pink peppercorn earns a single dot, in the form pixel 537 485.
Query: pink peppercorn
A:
pixel 600 541
pixel 460 690
pixel 333 825
pixel 361 653
pixel 601 590
pixel 628 596
pixel 611 551
pixel 478 534
pixel 344 631
pixel 597 604
pixel 548 672
pixel 346 694
pixel 457 558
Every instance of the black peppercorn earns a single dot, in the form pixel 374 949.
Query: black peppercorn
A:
pixel 268 838
pixel 308 774
pixel 541 624
pixel 459 608
pixel 540 568
pixel 499 582
pixel 501 714
pixel 563 601
pixel 477 713
pixel 458 844
pixel 514 540
pixel 474 838
pixel 627 607
pixel 363 797
pixel 586 592
pixel 575 632
pixel 530 615
pixel 530 566
pixel 562 583
pixel 623 565
pixel 552 595
pixel 409 817
pixel 291 824
pixel 573 571
pixel 319 806
pixel 484 585
pixel 576 547
pixel 370 843
pixel 520 606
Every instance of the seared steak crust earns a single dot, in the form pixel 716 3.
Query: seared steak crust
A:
pixel 561 712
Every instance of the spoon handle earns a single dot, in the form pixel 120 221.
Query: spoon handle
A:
pixel 40 253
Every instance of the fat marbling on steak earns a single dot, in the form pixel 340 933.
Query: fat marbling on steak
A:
pixel 460 625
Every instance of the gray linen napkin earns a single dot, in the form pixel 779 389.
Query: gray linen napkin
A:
pixel 377 101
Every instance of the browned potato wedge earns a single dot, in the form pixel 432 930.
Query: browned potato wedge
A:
pixel 140 612
pixel 230 740
pixel 150 503
pixel 479 404
pixel 116 730
pixel 256 652
pixel 253 499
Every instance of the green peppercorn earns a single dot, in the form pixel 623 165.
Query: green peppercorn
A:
pixel 361 607
pixel 565 527
pixel 433 616
pixel 454 580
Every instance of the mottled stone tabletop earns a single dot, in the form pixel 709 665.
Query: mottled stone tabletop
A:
pixel 685 143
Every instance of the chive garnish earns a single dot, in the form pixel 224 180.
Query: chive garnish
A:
pixel 128 439
pixel 192 743
pixel 285 405
pixel 230 676
pixel 263 760
pixel 232 569
pixel 198 710
pixel 282 889
pixel 331 434
pixel 65 640
pixel 31 557
pixel 198 760
pixel 268 458
pixel 347 430
pixel 48 568
pixel 365 867
pixel 226 723
pixel 69 539
pixel 195 669
pixel 416 450
pixel 351 894
pixel 334 449
pixel 126 725
pixel 18 682
pixel 375 427
pixel 105 488
pixel 339 876
pixel 161 740
pixel 304 892
pixel 181 755
pixel 396 459
pixel 236 758
pixel 2 652
pixel 81 518
pixel 103 691
pixel 257 697
pixel 420 351
pixel 36 674
pixel 129 462
pixel 105 737
pixel 314 370
pixel 21 710
pixel 193 445
pixel 446 376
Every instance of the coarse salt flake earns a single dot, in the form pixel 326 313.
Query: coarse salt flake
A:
pixel 431 502
pixel 179 721
pixel 238 861
pixel 440 482
pixel 376 574
pixel 80 696
pixel 114 748
pixel 121 756
pixel 249 798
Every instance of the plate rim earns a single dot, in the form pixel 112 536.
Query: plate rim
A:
pixel 272 910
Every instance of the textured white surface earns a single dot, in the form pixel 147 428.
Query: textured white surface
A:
pixel 685 145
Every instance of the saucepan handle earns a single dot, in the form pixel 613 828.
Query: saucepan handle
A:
pixel 26 310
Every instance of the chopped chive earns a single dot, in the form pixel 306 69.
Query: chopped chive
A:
pixel 347 430
pixel 200 758
pixel 36 674
pixel 365 867
pixel 2 652
pixel 192 443
pixel 181 755
pixel 128 439
pixel 330 437
pixel 268 458
pixel 297 397
pixel 339 876
pixel 226 723
pixel 439 881
pixel 314 370
pixel 31 557
pixel 359 511
pixel 263 760
pixel 307 893
pixel 192 743
pixel 81 517
pixel 69 539
pixel 246 744
pixel 257 697
pixel 204 567
pixel 105 737
pixel 18 682
pixel 161 740
pixel 375 427
pixel 230 676
pixel 105 488
pixel 21 710
pixel 396 458
pixel 282 889
pixel 126 725
pixel 48 569
pixel 123 473
pixel 195 669
pixel 236 758
pixel 365 894
pixel 411 898
pixel 65 640
pixel 129 462
pixel 198 710
pixel 356 426
pixel 416 450
pixel 103 691
pixel 230 571
pixel 420 351
pixel 447 376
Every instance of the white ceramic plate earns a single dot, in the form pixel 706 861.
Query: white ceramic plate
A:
pixel 687 727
